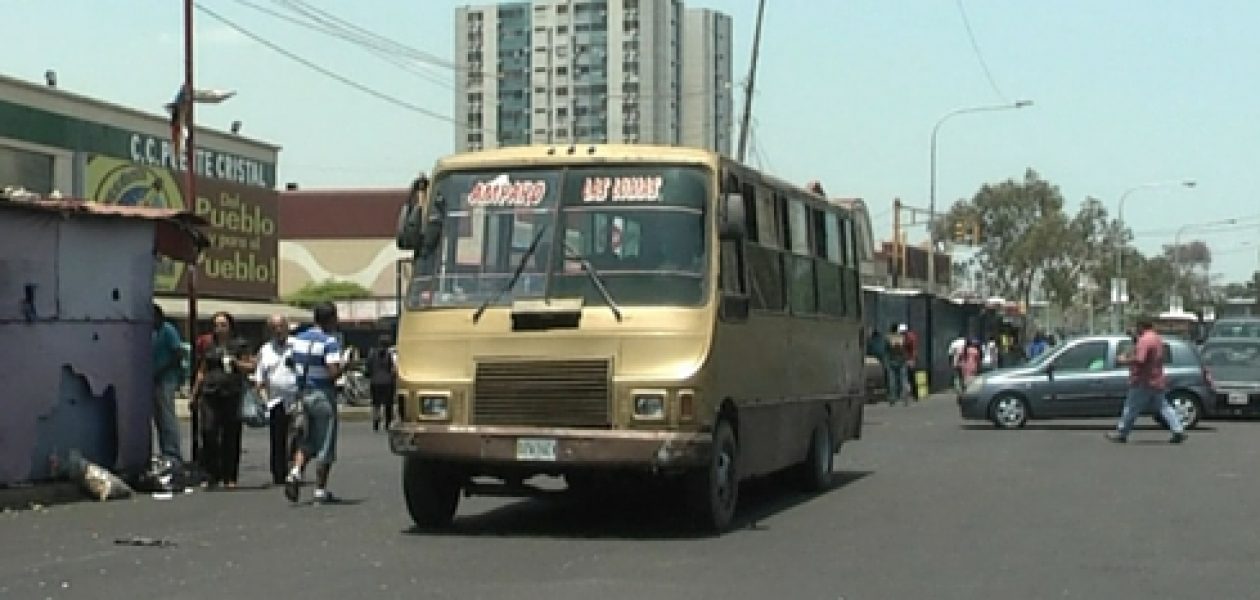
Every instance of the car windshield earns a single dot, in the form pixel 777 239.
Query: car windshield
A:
pixel 640 228
pixel 1233 359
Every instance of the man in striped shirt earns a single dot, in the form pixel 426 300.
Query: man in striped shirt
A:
pixel 317 358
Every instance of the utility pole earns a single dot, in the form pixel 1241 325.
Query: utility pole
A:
pixel 748 89
pixel 190 203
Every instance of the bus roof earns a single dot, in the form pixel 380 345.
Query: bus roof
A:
pixel 566 154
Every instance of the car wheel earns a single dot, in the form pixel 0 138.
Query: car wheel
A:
pixel 1188 407
pixel 1009 411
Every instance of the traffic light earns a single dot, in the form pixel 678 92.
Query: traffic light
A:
pixel 960 232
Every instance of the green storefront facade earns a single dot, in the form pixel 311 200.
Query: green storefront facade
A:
pixel 80 147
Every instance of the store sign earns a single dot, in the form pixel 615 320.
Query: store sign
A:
pixel 241 261
pixel 160 152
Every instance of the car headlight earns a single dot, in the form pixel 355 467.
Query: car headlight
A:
pixel 434 406
pixel 649 405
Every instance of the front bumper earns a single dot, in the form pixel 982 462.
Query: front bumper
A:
pixel 1229 401
pixel 573 447
pixel 972 406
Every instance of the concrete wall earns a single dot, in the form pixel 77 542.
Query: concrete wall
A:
pixel 78 353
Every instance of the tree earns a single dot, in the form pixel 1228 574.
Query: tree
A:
pixel 1022 226
pixel 1086 257
pixel 328 290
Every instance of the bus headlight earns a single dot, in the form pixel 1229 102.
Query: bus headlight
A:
pixel 649 405
pixel 434 406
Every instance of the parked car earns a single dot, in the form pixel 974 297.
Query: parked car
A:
pixel 1236 327
pixel 1081 379
pixel 1234 363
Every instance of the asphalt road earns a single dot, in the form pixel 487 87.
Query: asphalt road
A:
pixel 923 507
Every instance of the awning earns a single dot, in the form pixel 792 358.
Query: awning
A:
pixel 239 309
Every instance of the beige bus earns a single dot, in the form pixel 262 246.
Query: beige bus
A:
pixel 597 312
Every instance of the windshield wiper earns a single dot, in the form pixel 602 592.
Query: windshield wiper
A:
pixel 595 279
pixel 516 275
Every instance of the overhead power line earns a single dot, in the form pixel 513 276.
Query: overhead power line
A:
pixel 335 22
pixel 322 70
pixel 975 48
pixel 405 62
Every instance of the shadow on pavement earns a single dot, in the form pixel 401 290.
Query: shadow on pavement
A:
pixel 1100 426
pixel 651 512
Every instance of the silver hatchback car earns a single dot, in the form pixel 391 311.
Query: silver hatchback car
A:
pixel 1081 379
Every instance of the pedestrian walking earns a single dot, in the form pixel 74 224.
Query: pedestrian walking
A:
pixel 969 361
pixel 225 361
pixel 168 370
pixel 896 366
pixel 1147 385
pixel 955 352
pixel 382 371
pixel 276 381
pixel 912 358
pixel 317 355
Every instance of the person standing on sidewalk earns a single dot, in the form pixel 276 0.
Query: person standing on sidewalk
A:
pixel 317 355
pixel 896 366
pixel 1147 385
pixel 168 356
pixel 382 370
pixel 276 380
pixel 912 359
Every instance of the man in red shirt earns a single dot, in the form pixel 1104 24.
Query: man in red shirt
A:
pixel 1147 385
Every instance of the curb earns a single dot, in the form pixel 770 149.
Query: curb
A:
pixel 39 495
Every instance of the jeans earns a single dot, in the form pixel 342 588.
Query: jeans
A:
pixel 1142 397
pixel 896 376
pixel 165 420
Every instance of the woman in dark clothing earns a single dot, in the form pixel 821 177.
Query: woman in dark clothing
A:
pixel 225 359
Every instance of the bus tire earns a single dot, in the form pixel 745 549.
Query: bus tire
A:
pixel 431 491
pixel 814 473
pixel 713 491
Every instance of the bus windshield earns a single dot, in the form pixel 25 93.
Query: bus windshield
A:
pixel 640 228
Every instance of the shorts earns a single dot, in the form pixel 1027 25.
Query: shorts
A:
pixel 319 421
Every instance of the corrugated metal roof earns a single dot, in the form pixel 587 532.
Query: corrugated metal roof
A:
pixel 176 232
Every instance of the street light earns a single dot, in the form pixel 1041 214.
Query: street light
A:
pixel 1117 308
pixel 932 191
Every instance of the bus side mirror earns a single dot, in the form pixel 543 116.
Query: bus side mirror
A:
pixel 733 220
pixel 734 307
pixel 407 237
pixel 431 235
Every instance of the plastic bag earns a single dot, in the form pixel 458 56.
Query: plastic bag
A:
pixel 96 480
pixel 253 409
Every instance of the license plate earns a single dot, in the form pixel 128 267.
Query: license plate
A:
pixel 542 449
pixel 1237 398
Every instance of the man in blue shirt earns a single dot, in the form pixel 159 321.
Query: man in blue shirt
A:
pixel 317 359
pixel 168 356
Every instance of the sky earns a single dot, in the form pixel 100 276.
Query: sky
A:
pixel 1125 93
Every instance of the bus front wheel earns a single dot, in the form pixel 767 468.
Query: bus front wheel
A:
pixel 431 491
pixel 713 491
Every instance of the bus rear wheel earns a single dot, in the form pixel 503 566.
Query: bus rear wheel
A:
pixel 713 491
pixel 431 491
pixel 814 473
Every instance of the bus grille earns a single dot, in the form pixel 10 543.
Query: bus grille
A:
pixel 552 393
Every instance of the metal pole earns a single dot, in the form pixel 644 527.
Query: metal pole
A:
pixel 748 89
pixel 190 203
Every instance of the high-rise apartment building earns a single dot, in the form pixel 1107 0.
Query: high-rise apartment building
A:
pixel 571 71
